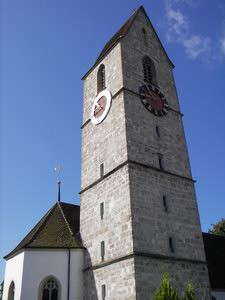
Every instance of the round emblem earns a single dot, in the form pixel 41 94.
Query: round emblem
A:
pixel 101 106
pixel 153 100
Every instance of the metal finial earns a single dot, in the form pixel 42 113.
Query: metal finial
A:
pixel 58 170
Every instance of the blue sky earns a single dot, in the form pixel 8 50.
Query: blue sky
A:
pixel 46 47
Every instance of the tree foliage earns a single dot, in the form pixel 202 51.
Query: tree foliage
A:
pixel 218 228
pixel 167 292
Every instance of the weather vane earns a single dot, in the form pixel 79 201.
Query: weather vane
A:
pixel 58 170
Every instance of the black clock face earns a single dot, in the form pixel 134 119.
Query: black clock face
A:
pixel 153 100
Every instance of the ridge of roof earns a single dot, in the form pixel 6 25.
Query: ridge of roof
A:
pixel 122 33
pixel 40 236
pixel 119 34
pixel 70 230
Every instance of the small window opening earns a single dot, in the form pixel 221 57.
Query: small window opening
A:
pixel 157 131
pixel 101 78
pixel 102 170
pixel 102 250
pixel 102 210
pixel 144 35
pixel 165 204
pixel 160 158
pixel 103 292
pixel 171 244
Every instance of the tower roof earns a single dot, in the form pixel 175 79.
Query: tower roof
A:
pixel 121 33
pixel 59 228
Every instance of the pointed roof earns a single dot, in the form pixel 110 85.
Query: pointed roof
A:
pixel 121 33
pixel 59 228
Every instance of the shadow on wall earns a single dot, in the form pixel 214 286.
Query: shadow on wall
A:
pixel 90 289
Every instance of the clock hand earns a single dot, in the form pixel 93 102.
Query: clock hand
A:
pixel 98 105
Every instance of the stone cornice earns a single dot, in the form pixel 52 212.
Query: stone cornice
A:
pixel 127 162
pixel 147 256
pixel 122 89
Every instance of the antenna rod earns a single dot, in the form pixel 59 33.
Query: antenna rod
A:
pixel 58 169
pixel 59 195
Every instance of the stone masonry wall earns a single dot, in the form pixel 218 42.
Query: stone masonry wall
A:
pixel 119 279
pixel 149 272
pixel 153 226
pixel 115 227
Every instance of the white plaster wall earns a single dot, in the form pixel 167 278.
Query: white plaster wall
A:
pixel 14 272
pixel 219 295
pixel 40 264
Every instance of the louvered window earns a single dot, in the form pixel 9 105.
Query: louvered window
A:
pixel 149 70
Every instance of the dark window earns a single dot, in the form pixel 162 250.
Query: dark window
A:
pixel 102 250
pixel 11 293
pixel 102 170
pixel 50 290
pixel 103 292
pixel 171 245
pixel 157 130
pixel 165 204
pixel 102 210
pixel 144 35
pixel 160 158
pixel 149 70
pixel 101 78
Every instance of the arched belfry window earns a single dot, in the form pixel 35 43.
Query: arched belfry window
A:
pixel 11 294
pixel 50 289
pixel 101 78
pixel 149 70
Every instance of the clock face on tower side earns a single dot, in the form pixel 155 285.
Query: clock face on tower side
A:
pixel 101 106
pixel 153 100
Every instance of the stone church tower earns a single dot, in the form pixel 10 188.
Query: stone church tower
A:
pixel 139 216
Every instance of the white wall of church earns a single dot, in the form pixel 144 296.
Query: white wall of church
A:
pixel 14 272
pixel 41 264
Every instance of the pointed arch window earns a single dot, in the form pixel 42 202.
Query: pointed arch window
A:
pixel 50 290
pixel 149 70
pixel 11 294
pixel 101 78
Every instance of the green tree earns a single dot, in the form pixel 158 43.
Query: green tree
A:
pixel 167 292
pixel 189 293
pixel 218 228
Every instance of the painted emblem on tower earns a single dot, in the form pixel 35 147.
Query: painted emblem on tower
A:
pixel 101 107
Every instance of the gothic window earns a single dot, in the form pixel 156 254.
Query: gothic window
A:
pixel 149 70
pixel 50 290
pixel 101 78
pixel 11 293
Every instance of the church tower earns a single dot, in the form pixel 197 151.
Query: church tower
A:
pixel 139 217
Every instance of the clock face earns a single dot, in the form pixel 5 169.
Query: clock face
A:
pixel 101 106
pixel 153 100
